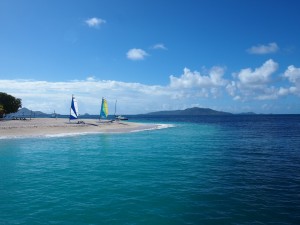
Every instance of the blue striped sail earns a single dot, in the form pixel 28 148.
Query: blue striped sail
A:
pixel 74 109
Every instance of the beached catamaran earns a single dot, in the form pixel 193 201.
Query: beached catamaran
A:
pixel 119 117
pixel 104 109
pixel 74 109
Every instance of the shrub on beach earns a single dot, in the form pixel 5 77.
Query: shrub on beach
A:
pixel 9 104
pixel 1 110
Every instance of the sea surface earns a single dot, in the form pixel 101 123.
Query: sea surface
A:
pixel 242 169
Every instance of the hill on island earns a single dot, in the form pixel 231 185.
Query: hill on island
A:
pixel 24 112
pixel 190 112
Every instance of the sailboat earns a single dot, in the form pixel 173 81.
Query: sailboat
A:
pixel 119 117
pixel 74 109
pixel 104 110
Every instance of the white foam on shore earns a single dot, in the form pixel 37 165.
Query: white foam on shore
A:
pixel 20 137
pixel 59 135
pixel 156 127
pixel 164 126
pixel 70 134
pixel 48 135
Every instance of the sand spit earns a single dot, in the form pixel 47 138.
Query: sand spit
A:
pixel 51 126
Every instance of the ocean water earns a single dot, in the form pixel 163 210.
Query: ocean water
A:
pixel 198 170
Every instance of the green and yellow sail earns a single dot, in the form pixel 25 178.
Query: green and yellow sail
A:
pixel 104 109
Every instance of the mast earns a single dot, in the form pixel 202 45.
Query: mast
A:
pixel 101 109
pixel 116 108
pixel 71 108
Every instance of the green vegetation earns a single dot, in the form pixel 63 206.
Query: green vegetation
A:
pixel 1 111
pixel 9 104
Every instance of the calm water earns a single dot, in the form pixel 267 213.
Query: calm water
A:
pixel 204 170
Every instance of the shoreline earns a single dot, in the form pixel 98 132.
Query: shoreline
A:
pixel 51 127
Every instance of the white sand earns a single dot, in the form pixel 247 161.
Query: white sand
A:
pixel 51 126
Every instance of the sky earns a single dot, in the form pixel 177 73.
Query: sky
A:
pixel 152 55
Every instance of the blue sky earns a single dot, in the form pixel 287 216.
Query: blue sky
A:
pixel 230 55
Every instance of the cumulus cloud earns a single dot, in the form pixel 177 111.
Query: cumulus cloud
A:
pixel 231 88
pixel 293 74
pixel 193 84
pixel 263 49
pixel 194 79
pixel 95 22
pixel 254 83
pixel 132 97
pixel 136 54
pixel 191 87
pixel 259 84
pixel 159 46
pixel 259 76
pixel 283 91
pixel 48 96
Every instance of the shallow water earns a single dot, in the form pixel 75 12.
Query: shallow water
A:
pixel 204 170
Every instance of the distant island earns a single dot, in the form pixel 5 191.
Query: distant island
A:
pixel 24 112
pixel 195 111
pixel 27 113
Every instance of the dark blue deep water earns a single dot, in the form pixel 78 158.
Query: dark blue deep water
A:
pixel 202 170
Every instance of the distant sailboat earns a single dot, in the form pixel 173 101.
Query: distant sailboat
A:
pixel 74 109
pixel 104 109
pixel 119 117
pixel 54 115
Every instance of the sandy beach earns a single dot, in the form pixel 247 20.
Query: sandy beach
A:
pixel 55 127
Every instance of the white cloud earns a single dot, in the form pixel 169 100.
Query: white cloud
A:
pixel 283 91
pixel 259 76
pixel 254 83
pixel 267 93
pixel 190 88
pixel 159 46
pixel 216 73
pixel 258 84
pixel 293 74
pixel 91 78
pixel 236 98
pixel 95 22
pixel 194 85
pixel 294 90
pixel 48 96
pixel 231 88
pixel 136 54
pixel 132 97
pixel 263 49
pixel 194 79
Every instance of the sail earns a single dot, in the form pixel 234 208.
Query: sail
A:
pixel 74 109
pixel 104 109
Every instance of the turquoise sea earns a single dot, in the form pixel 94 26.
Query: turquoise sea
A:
pixel 198 170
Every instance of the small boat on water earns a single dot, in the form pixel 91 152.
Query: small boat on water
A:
pixel 121 117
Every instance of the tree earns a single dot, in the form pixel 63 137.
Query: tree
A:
pixel 9 104
pixel 1 111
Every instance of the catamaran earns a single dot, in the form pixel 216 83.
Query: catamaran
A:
pixel 119 117
pixel 74 109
